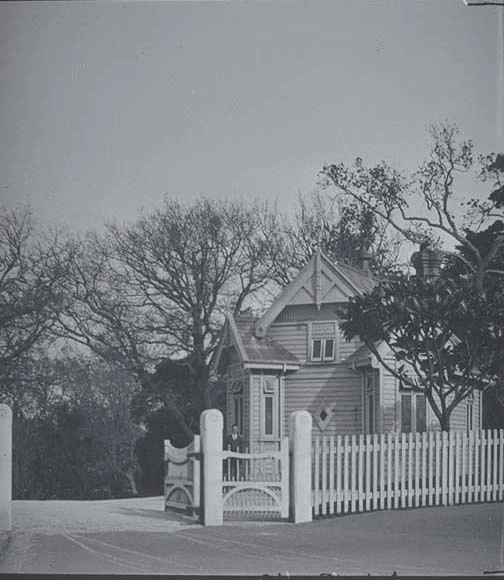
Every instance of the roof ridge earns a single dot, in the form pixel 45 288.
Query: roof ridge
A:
pixel 353 269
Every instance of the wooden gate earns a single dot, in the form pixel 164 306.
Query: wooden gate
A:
pixel 182 476
pixel 256 485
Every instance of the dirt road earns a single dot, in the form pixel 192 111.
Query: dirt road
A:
pixel 138 537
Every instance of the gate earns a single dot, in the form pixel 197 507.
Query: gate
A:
pixel 182 476
pixel 256 485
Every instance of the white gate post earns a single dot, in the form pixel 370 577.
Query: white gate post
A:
pixel 196 475
pixel 5 468
pixel 300 426
pixel 211 430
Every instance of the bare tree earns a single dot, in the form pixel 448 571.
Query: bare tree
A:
pixel 343 229
pixel 443 328
pixel 159 288
pixel 32 275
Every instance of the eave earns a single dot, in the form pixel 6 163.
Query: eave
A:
pixel 313 267
pixel 277 366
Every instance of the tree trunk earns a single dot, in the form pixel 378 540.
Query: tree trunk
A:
pixel 131 480
pixel 146 382
pixel 179 417
pixel 202 382
pixel 444 421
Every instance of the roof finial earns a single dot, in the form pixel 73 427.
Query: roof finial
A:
pixel 318 278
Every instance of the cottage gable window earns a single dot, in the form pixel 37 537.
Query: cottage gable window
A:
pixel 322 341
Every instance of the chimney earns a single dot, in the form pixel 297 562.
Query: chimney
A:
pixel 427 262
pixel 364 259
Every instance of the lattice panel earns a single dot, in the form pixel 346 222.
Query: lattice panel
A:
pixel 256 485
pixel 178 497
pixel 323 329
pixel 251 503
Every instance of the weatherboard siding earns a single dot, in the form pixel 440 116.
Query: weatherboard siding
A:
pixel 458 418
pixel 330 384
pixel 390 403
pixel 294 337
pixel 346 349
pixel 478 411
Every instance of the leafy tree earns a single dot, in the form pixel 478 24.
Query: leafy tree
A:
pixel 343 229
pixel 493 407
pixel 54 455
pixel 103 393
pixel 425 205
pixel 444 336
pixel 78 418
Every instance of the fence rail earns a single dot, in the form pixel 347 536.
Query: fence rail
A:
pixel 353 473
pixel 182 476
pixel 256 483
pixel 248 466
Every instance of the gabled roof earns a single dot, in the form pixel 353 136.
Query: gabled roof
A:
pixel 363 356
pixel 358 278
pixel 253 351
pixel 261 349
pixel 360 358
pixel 320 281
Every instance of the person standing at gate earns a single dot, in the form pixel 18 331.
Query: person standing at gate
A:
pixel 233 443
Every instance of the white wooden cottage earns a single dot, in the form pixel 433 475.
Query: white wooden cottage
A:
pixel 294 357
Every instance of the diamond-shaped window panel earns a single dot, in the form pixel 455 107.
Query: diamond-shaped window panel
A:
pixel 324 414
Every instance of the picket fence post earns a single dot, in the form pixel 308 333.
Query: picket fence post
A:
pixel 332 483
pixel 5 468
pixel 196 473
pixel 211 429
pixel 300 441
pixel 316 473
pixel 501 463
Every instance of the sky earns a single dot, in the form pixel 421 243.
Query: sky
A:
pixel 107 107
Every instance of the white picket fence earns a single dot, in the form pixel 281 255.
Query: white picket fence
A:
pixel 391 471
